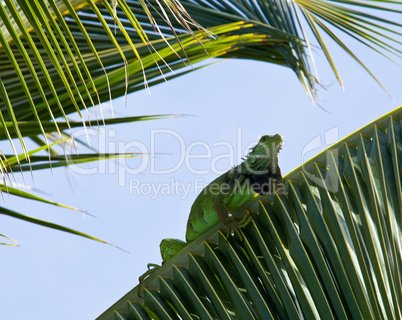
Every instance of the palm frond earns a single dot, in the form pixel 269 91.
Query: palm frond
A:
pixel 358 20
pixel 11 242
pixel 10 164
pixel 44 46
pixel 47 224
pixel 32 160
pixel 120 77
pixel 30 129
pixel 329 248
pixel 69 56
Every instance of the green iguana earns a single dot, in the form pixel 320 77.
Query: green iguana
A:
pixel 258 174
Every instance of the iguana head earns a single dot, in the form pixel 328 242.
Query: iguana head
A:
pixel 264 156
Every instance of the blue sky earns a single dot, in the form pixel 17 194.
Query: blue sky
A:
pixel 54 274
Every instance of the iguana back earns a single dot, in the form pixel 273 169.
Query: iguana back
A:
pixel 258 174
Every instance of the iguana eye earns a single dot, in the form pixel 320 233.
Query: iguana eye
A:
pixel 252 159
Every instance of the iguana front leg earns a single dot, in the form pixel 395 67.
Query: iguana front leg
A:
pixel 152 267
pixel 222 211
pixel 226 217
pixel 168 248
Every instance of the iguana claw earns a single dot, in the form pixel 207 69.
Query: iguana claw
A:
pixel 145 275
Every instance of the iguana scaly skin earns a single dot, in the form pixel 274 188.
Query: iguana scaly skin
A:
pixel 259 173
